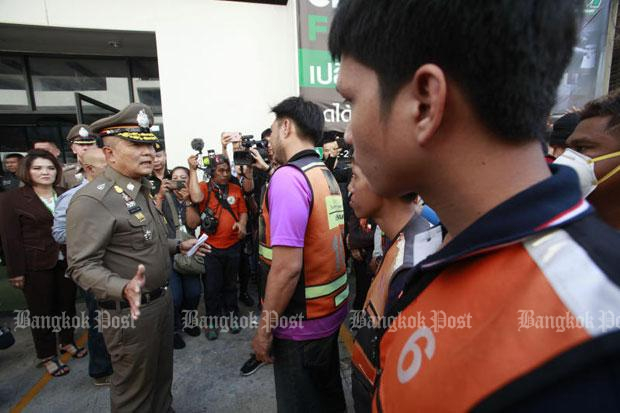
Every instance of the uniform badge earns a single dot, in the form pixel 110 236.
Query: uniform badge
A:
pixel 130 186
pixel 118 189
pixel 143 119
pixel 231 200
pixel 148 235
pixel 139 216
pixel 101 187
pixel 83 132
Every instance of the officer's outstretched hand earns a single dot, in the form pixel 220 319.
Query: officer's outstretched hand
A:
pixel 133 292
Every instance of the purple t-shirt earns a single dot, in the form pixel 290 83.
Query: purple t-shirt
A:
pixel 290 198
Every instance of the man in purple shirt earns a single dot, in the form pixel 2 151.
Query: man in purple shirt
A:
pixel 301 248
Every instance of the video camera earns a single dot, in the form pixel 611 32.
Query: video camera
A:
pixel 243 155
pixel 207 162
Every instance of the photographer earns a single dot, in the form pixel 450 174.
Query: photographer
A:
pixel 224 218
pixel 174 200
pixel 252 172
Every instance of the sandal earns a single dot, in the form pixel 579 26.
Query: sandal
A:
pixel 55 368
pixel 75 351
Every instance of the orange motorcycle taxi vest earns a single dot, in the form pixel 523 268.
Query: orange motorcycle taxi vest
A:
pixel 488 320
pixel 322 288
pixel 370 321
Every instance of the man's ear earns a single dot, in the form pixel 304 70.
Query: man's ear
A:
pixel 426 93
pixel 286 126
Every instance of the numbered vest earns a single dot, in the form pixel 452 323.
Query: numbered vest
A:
pixel 488 320
pixel 322 288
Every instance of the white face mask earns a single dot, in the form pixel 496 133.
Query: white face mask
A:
pixel 584 166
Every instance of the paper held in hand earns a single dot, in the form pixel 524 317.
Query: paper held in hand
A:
pixel 197 245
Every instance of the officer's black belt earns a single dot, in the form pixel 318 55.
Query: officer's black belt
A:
pixel 146 298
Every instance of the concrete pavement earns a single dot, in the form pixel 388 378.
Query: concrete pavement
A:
pixel 206 378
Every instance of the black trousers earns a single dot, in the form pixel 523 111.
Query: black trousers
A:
pixel 220 281
pixel 307 375
pixel 50 294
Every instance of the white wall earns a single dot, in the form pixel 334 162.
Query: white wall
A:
pixel 221 64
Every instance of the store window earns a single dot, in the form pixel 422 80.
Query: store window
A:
pixel 145 77
pixel 55 80
pixel 13 95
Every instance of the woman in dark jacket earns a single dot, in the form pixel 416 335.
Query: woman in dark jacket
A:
pixel 34 260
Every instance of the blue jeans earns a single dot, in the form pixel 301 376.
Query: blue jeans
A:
pixel 185 291
pixel 99 364
pixel 220 281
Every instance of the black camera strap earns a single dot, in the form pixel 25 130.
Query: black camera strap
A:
pixel 224 203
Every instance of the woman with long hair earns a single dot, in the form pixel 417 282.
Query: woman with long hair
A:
pixel 35 262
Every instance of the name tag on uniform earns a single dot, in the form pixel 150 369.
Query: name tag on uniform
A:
pixel 139 216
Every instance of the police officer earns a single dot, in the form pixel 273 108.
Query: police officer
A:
pixel 80 139
pixel 118 250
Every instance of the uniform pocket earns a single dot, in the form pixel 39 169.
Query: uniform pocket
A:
pixel 142 233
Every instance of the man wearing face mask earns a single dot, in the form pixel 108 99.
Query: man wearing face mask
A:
pixel 594 151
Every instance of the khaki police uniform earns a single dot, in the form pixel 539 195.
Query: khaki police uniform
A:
pixel 113 226
pixel 73 174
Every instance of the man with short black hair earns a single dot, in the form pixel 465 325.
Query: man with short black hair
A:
pixel 302 254
pixel 224 200
pixel 9 179
pixel 426 77
pixel 597 137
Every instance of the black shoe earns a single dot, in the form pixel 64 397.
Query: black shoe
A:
pixel 250 366
pixel 212 334
pixel 246 299
pixel 192 331
pixel 178 342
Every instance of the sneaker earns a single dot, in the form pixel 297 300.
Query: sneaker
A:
pixel 192 331
pixel 178 342
pixel 212 334
pixel 250 366
pixel 246 299
pixel 102 381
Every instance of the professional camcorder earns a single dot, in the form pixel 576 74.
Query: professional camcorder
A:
pixel 243 155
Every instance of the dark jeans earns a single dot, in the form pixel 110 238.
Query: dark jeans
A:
pixel 99 364
pixel 248 265
pixel 50 293
pixel 186 291
pixel 363 279
pixel 220 281
pixel 307 375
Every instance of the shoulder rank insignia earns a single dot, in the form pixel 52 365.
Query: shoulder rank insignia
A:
pixel 118 189
pixel 130 186
pixel 101 187
pixel 139 216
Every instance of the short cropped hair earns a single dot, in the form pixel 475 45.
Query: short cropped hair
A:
pixel 506 56
pixel 23 172
pixel 307 116
pixel 603 107
pixel 14 155
pixel 265 134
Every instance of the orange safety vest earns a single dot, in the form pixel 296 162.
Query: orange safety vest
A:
pixel 322 288
pixel 488 320
pixel 398 258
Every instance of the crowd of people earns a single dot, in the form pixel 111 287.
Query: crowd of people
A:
pixel 446 194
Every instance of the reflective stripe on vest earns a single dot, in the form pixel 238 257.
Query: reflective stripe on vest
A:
pixel 488 320
pixel 323 287
pixel 265 252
